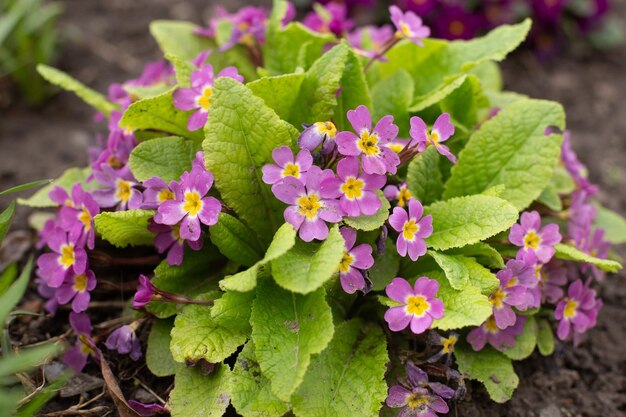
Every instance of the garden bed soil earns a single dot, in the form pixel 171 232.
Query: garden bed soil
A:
pixel 108 41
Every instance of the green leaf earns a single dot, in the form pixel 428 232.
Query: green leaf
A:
pixel 373 222
pixel 354 90
pixel 158 113
pixel 468 307
pixel 280 93
pixel 464 103
pixel 241 134
pixel 613 224
pixel 198 395
pixel 545 337
pixel 198 274
pixel 550 198
pixel 235 240
pixel 287 329
pixel 424 177
pixel 348 378
pixel 158 356
pixel 178 39
pixel 7 277
pixel 6 217
pixel 251 391
pixel 480 277
pixel 524 343
pixel 124 228
pixel 27 359
pixel 454 268
pixel 13 295
pixel 66 181
pixel 502 99
pixel 141 92
pixel 283 241
pixel 570 253
pixel 433 97
pixel 484 253
pixel 466 220
pixel 27 186
pixel 393 95
pixel 489 74
pixel 89 96
pixel 307 266
pixel 490 367
pixel 166 158
pixel 212 333
pixel 511 149
pixel 386 267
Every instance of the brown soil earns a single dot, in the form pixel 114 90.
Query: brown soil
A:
pixel 108 41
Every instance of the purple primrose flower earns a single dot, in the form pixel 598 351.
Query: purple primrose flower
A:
pixel 319 133
pixel 156 192
pixel 147 410
pixel 145 292
pixel 412 229
pixel 76 288
pixel 531 237
pixel 77 213
pixel 419 306
pixel 509 294
pixel 578 311
pixel 409 25
pixel 287 165
pixel 442 130
pixel 168 239
pixel 125 341
pixel 120 189
pixel 398 192
pixel 355 260
pixel 489 332
pixel 76 357
pixel 331 18
pixel 68 257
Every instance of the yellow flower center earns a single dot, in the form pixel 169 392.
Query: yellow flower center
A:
pixel 67 255
pixel 434 138
pixel 291 170
pixel 85 218
pixel 405 30
pixel 353 188
pixel 570 309
pixel 80 283
pixel 308 206
pixel 346 261
pixel 176 233
pixel 417 305
pixel 497 298
pixel 396 147
pixel 448 344
pixel 326 128
pixel 532 240
pixel 417 400
pixel 409 230
pixel 404 195
pixel 204 101
pixel 511 283
pixel 165 195
pixel 85 347
pixel 491 326
pixel 368 143
pixel 123 190
pixel 247 39
pixel 193 203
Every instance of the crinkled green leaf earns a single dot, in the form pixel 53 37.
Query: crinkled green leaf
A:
pixel 354 90
pixel 511 149
pixel 283 241
pixel 139 92
pixel 524 343
pixel 198 395
pixel 545 337
pixel 373 222
pixel 212 333
pixel 65 81
pixel 424 178
pixel 484 253
pixel 613 224
pixel 241 134
pixel 235 240
pixel 489 74
pixel 158 356
pixel 480 277
pixel 158 113
pixel 307 266
pixel 287 329
pixel 125 228
pixel 251 391
pixel 550 198
pixel 570 253
pixel 166 158
pixel 466 220
pixel 177 38
pixel 280 93
pixel 490 367
pixel 444 90
pixel 66 181
pixel 348 378
pixel 197 275
pixel 465 102
pixel 468 307
pixel 454 268
pixel 393 95
pixel 385 267
pixel 6 217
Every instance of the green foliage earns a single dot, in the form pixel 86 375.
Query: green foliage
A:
pixel 347 378
pixel 385 267
pixel 545 337
pixel 354 90
pixel 424 177
pixel 235 240
pixel 393 95
pixel 198 395
pixel 453 267
pixel 613 224
pixel 524 343
pixel 288 328
pixel 6 217
pixel 373 222
pixel 278 92
pixel 166 158
pixel 158 356
pixel 66 181
pixel 485 254
pixel 466 220
pixel 570 253
pixel 125 228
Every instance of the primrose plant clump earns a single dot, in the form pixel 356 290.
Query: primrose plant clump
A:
pixel 343 226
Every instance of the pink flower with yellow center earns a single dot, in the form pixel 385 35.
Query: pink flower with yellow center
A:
pixel 67 258
pixel 532 237
pixel 287 165
pixel 355 260
pixel 76 357
pixel 77 213
pixel 418 308
pixel 191 205
pixel 442 130
pixel 399 193
pixel 489 332
pixel 157 192
pixel 409 25
pixel 198 97
pixel 578 311
pixel 119 189
pixel 168 240
pixel 319 133
pixel 77 288
pixel 412 229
